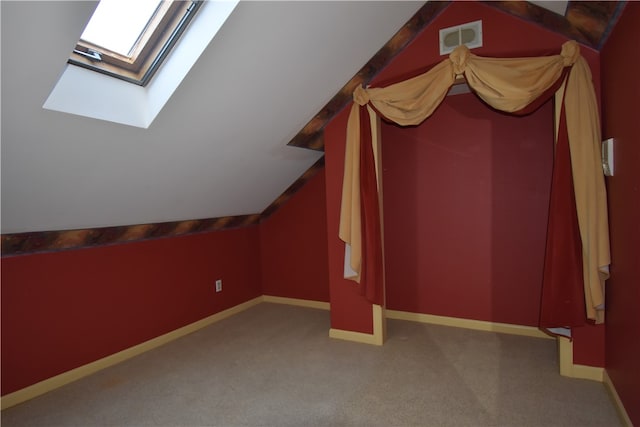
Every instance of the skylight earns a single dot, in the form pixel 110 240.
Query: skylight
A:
pixel 82 91
pixel 117 25
pixel 130 39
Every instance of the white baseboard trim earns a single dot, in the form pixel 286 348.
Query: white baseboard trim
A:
pixel 376 338
pixel 593 373
pixel 379 327
pixel 479 325
pixel 622 412
pixel 572 370
pixel 379 324
pixel 358 337
pixel 65 378
pixel 298 302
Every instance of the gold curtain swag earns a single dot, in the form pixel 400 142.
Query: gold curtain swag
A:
pixel 508 85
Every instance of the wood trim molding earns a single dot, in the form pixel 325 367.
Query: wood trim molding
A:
pixel 341 334
pixel 65 378
pixel 321 305
pixel 358 337
pixel 479 325
pixel 379 324
pixel 379 321
pixel 376 338
pixel 572 370
pixel 622 412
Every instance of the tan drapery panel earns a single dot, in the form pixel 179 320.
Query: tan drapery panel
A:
pixel 350 210
pixel 508 85
pixel 583 124
pixel 350 213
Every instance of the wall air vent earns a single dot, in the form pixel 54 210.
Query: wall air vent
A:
pixel 469 34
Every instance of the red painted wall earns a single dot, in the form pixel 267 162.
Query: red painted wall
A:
pixel 293 242
pixel 79 306
pixel 466 199
pixel 66 309
pixel 503 36
pixel 620 94
pixel 589 345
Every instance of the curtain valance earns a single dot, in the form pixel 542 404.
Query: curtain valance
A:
pixel 509 85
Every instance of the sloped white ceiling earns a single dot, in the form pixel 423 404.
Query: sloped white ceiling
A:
pixel 218 148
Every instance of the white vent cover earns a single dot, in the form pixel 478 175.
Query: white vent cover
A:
pixel 469 34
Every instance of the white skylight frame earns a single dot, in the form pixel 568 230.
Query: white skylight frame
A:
pixel 87 93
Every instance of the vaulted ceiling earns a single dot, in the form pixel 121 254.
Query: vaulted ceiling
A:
pixel 243 126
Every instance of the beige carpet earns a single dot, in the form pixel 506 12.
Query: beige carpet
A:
pixel 274 365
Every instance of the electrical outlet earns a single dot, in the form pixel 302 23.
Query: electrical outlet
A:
pixel 219 285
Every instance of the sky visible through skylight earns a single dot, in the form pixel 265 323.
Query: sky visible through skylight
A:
pixel 117 24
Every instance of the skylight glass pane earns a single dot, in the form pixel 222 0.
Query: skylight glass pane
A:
pixel 116 25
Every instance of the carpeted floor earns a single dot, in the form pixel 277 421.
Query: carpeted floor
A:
pixel 274 365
